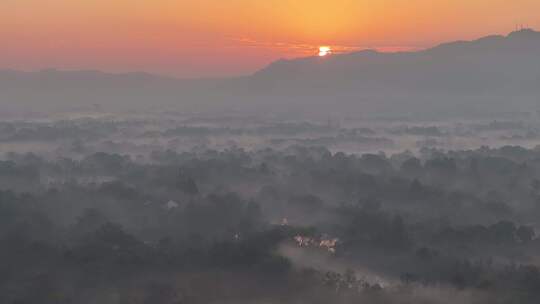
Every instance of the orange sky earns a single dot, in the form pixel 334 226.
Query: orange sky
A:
pixel 194 38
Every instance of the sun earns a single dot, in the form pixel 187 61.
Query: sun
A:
pixel 324 51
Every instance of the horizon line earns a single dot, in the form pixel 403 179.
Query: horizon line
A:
pixel 341 50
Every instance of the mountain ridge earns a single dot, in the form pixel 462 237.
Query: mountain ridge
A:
pixel 495 72
pixel 486 41
pixel 523 33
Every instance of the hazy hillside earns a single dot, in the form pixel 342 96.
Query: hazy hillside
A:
pixel 53 90
pixel 492 74
pixel 485 74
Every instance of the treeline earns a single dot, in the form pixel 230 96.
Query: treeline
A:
pixel 109 228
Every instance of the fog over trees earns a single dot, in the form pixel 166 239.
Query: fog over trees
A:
pixel 359 178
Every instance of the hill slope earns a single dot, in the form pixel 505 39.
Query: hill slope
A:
pixel 496 72
pixel 492 74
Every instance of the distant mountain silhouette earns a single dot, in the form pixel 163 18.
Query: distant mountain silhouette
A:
pixel 53 90
pixel 495 72
pixel 491 74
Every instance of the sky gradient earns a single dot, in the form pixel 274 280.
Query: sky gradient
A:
pixel 203 38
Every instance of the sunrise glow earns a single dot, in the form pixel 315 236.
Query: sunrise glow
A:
pixel 324 51
pixel 237 37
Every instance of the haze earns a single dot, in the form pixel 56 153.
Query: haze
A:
pixel 269 152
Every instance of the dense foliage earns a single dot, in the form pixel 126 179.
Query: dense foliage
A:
pixel 219 227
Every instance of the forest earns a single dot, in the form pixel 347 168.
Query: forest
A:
pixel 207 215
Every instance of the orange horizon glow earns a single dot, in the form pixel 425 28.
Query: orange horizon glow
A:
pixel 189 38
